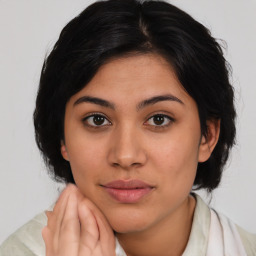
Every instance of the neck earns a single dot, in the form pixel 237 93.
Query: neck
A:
pixel 168 237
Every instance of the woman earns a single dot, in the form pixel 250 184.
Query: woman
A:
pixel 134 109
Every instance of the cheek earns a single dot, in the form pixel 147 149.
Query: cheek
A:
pixel 87 168
pixel 176 164
pixel 176 152
pixel 86 158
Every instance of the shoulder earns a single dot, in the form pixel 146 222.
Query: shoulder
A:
pixel 27 240
pixel 249 241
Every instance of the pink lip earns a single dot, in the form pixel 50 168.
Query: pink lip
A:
pixel 128 191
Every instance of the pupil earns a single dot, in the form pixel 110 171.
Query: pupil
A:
pixel 98 120
pixel 158 120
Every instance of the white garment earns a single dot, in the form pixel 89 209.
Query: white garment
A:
pixel 224 239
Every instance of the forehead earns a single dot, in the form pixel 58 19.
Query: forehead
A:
pixel 134 77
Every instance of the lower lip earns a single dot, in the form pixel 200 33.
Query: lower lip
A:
pixel 128 195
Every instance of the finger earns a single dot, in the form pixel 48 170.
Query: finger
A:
pixel 106 236
pixel 55 217
pixel 60 206
pixel 89 230
pixel 69 233
pixel 48 238
pixel 63 197
pixel 70 226
pixel 103 224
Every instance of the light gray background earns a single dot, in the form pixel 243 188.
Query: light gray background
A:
pixel 29 28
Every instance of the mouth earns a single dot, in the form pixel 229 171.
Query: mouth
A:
pixel 128 191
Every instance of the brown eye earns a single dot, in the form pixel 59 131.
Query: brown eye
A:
pixel 159 120
pixel 96 120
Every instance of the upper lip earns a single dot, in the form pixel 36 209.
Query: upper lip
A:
pixel 127 184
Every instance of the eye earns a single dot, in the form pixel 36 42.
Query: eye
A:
pixel 159 120
pixel 96 120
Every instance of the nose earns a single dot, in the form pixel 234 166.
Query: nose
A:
pixel 126 149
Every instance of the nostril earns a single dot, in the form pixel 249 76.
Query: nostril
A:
pixel 136 164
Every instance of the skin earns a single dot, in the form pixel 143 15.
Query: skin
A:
pixel 77 227
pixel 130 144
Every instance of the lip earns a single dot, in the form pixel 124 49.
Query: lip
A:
pixel 128 191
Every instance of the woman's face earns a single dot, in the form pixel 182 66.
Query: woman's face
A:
pixel 134 121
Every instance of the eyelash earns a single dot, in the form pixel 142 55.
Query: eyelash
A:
pixel 93 115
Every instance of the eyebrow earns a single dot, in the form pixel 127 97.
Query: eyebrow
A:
pixel 141 105
pixel 95 100
pixel 156 99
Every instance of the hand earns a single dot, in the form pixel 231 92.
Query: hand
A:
pixel 76 227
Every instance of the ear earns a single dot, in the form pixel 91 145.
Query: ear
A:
pixel 64 151
pixel 209 142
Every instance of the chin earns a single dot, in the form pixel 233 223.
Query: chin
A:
pixel 128 223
